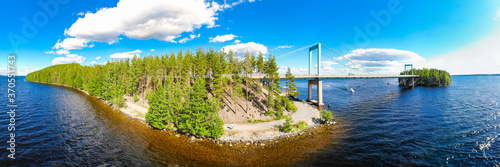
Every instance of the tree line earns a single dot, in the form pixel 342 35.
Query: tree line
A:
pixel 176 85
pixel 429 77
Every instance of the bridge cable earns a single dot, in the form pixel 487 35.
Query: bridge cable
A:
pixel 343 57
pixel 286 54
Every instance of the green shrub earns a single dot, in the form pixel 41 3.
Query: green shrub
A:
pixel 136 98
pixel 287 125
pixel 279 115
pixel 300 126
pixel 325 115
pixel 268 112
pixel 119 102
pixel 278 105
pixel 290 106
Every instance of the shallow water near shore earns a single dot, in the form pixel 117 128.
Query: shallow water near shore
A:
pixel 60 126
pixel 379 124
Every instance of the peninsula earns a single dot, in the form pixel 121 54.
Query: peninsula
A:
pixel 206 93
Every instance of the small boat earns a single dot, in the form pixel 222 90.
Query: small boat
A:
pixel 350 90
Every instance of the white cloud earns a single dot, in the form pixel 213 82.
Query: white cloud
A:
pixel 381 60
pixel 62 52
pixel 237 41
pixel 125 55
pixel 70 58
pixel 480 57
pixel 163 20
pixel 97 58
pixel 93 62
pixel 294 70
pixel 152 50
pixel 72 43
pixel 222 38
pixel 59 52
pixel 242 48
pixel 284 47
pixel 326 66
pixel 191 37
pixel 81 13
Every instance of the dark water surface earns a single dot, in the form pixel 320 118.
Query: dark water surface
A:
pixel 380 125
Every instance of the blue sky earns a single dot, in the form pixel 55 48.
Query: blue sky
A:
pixel 459 36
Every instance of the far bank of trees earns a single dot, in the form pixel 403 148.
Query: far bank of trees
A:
pixel 184 90
pixel 430 77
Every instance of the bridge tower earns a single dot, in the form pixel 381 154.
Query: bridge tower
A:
pixel 411 73
pixel 315 81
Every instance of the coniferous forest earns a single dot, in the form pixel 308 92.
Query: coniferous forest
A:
pixel 430 77
pixel 183 90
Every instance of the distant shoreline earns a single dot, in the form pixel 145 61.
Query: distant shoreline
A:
pixel 476 75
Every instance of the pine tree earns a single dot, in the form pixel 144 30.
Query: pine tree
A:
pixel 290 82
pixel 260 64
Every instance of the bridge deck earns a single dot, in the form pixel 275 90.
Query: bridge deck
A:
pixel 345 76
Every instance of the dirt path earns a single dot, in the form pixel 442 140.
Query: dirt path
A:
pixel 135 111
pixel 305 112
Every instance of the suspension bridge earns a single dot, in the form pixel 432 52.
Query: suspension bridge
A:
pixel 361 72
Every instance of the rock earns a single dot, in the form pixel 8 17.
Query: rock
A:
pixel 177 135
pixel 262 144
pixel 230 145
pixel 247 144
pixel 193 139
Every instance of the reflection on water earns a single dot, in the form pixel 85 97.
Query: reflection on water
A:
pixel 380 125
pixel 64 127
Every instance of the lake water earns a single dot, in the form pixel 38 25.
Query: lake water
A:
pixel 380 124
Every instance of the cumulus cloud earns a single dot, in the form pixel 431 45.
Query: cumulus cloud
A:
pixel 72 43
pixel 242 48
pixel 294 70
pixel 163 20
pixel 62 52
pixel 237 41
pixel 222 38
pixel 327 66
pixel 125 55
pixel 191 37
pixel 152 50
pixel 283 47
pixel 59 52
pixel 97 58
pixel 381 60
pixel 70 58
pixel 93 62
pixel 479 57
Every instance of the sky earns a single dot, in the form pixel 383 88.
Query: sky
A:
pixel 462 37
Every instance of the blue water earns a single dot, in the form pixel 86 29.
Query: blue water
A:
pixel 388 125
pixel 381 124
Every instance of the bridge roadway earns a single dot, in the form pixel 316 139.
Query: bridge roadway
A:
pixel 343 76
pixel 316 80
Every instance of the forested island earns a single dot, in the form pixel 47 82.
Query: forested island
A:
pixel 184 92
pixel 429 77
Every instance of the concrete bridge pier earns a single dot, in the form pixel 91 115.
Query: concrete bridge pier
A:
pixel 319 85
